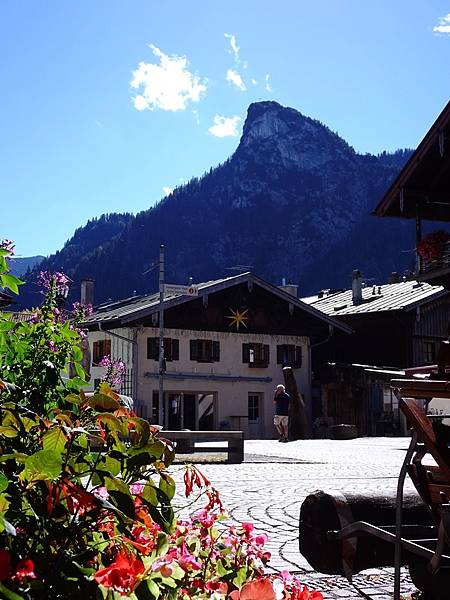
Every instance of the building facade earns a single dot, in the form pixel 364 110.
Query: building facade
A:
pixel 224 353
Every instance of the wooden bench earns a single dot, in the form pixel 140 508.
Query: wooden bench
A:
pixel 186 442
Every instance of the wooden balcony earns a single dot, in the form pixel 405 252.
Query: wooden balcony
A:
pixel 437 272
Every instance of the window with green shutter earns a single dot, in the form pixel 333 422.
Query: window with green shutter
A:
pixel 256 355
pixel 171 349
pixel 205 350
pixel 289 355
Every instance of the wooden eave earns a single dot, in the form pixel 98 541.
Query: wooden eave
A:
pixel 422 188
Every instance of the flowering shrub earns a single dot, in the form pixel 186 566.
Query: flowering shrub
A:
pixel 86 493
pixel 114 371
pixel 433 245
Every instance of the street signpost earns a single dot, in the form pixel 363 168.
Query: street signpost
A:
pixel 166 289
pixel 185 290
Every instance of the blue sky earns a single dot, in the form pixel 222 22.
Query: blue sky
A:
pixel 107 104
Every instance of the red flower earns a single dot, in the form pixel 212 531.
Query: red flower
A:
pixel 122 575
pixel 5 565
pixel 433 245
pixel 258 589
pixel 24 570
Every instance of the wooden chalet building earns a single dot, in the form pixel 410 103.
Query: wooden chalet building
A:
pixel 398 324
pixel 395 325
pixel 224 352
pixel 422 192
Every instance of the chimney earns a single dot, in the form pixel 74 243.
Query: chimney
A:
pixel 87 291
pixel 357 287
pixel 288 287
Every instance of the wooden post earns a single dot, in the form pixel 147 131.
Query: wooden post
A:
pixel 298 419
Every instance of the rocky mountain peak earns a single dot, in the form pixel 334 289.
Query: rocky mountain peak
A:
pixel 285 136
pixel 293 201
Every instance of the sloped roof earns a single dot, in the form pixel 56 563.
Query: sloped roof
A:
pixel 404 295
pixel 425 179
pixel 124 312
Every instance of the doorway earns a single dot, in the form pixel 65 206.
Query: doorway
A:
pixel 186 410
pixel 254 414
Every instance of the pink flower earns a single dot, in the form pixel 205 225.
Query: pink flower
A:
pixel 8 246
pixel 58 281
pixel 248 528
pixel 52 346
pixel 136 489
pixel 101 492
pixel 188 561
pixel 261 539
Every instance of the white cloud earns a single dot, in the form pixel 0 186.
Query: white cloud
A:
pixel 234 77
pixel 443 25
pixel 254 82
pixel 168 85
pixel 167 190
pixel 234 48
pixel 225 126
pixel 268 86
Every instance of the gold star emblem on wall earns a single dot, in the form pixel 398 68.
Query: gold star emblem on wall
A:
pixel 238 318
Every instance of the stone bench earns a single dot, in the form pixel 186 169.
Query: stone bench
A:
pixel 187 442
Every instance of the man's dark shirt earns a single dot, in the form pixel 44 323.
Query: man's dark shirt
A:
pixel 282 404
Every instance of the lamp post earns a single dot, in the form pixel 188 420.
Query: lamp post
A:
pixel 162 417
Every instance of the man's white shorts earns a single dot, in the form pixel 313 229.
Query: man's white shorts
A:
pixel 281 420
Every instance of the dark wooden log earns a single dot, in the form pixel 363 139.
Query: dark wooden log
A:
pixel 298 419
pixel 331 511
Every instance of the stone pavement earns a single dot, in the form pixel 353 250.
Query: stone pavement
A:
pixel 269 487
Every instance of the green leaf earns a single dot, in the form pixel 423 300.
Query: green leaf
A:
pixel 4 503
pixel 73 399
pixel 44 464
pixel 75 383
pixel 8 432
pixel 162 544
pixel 177 572
pixel 102 402
pixel 117 484
pixel 4 482
pixel 241 577
pixel 79 371
pixel 12 282
pixel 220 569
pixel 142 431
pixel 147 590
pixel 149 493
pixel 112 466
pixel 8 594
pixel 112 422
pixel 167 485
pixel 7 325
pixel 55 440
pixel 7 526
pixel 77 353
pixel 123 502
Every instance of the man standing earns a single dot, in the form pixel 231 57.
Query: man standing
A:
pixel 281 418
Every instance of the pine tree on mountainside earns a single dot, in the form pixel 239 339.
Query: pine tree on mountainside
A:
pixel 292 195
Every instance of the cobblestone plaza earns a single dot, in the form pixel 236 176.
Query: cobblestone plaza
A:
pixel 270 486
